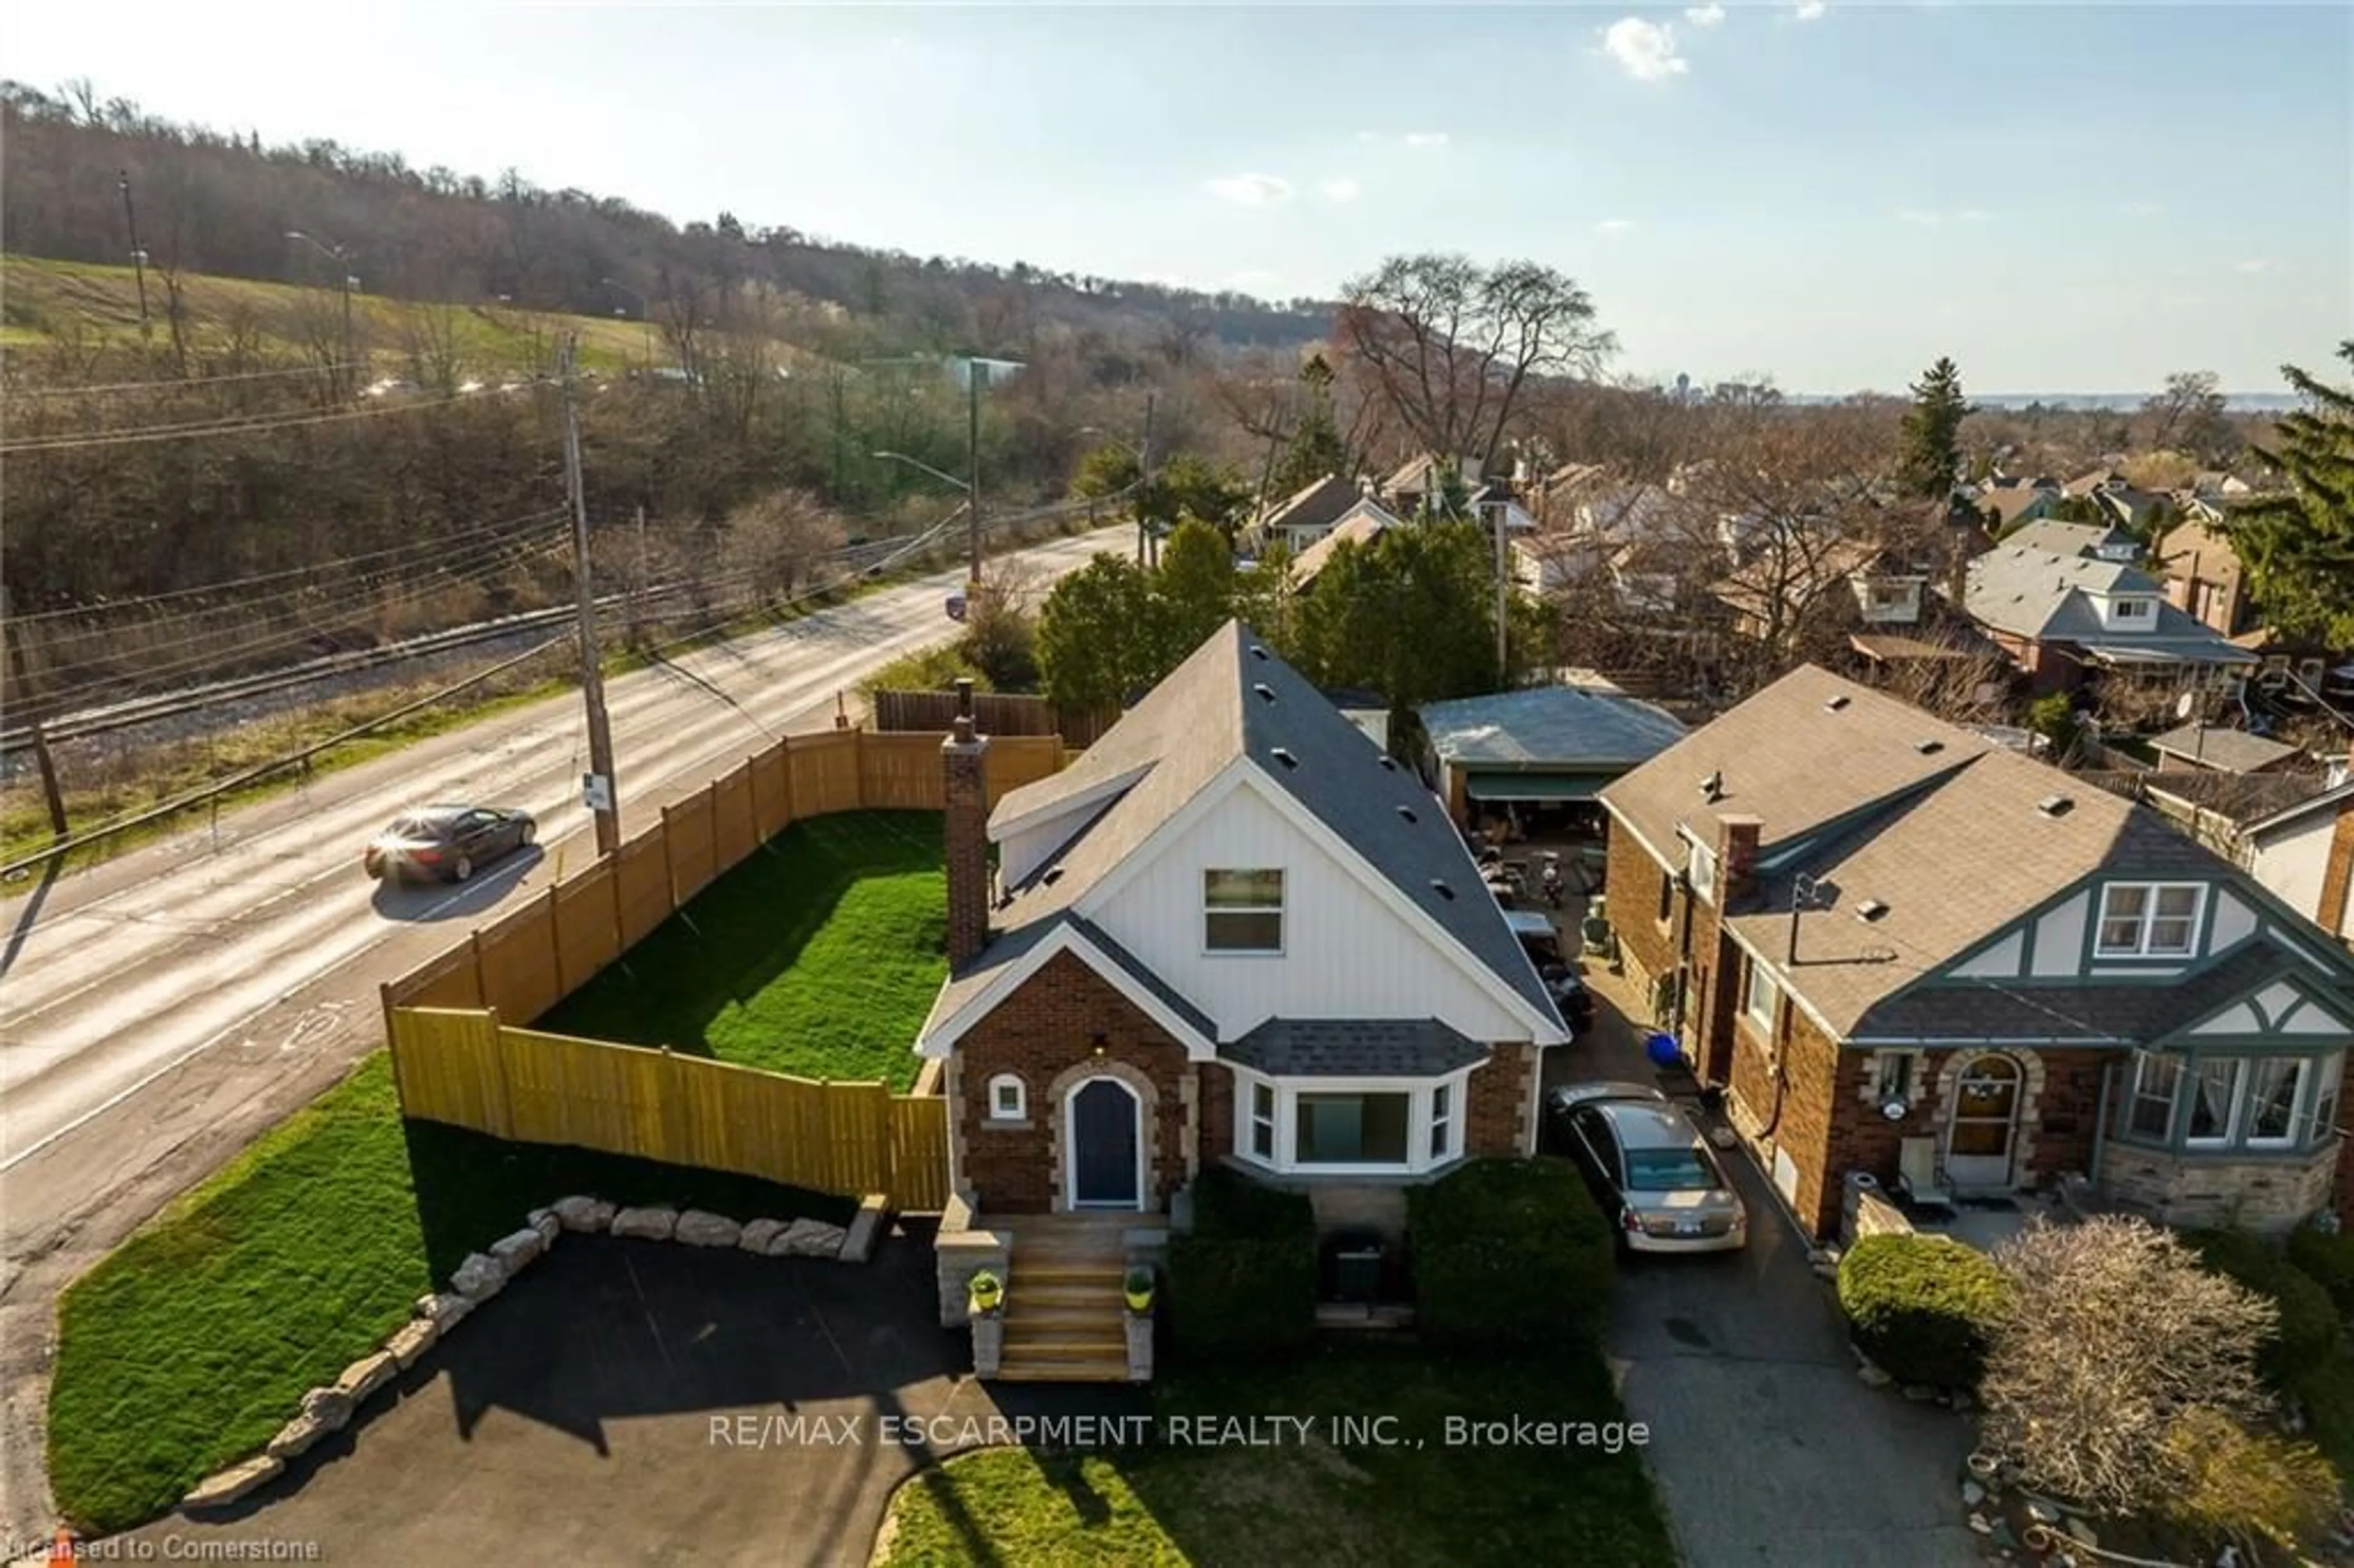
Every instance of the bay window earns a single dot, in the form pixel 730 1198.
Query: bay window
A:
pixel 2263 1104
pixel 1311 1125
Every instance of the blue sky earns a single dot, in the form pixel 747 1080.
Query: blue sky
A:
pixel 2062 197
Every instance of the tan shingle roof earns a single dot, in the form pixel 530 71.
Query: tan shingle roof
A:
pixel 1313 506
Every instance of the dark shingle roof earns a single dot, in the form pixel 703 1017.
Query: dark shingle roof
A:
pixel 2142 1013
pixel 1350 1047
pixel 1314 505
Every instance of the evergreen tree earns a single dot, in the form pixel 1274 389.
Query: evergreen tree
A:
pixel 1194 586
pixel 1316 448
pixel 1099 641
pixel 2298 544
pixel 1932 433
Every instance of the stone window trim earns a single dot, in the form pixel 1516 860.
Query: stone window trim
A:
pixel 1148 1095
pixel 1894 1076
pixel 997 1116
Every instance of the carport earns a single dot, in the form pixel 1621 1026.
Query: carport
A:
pixel 1534 761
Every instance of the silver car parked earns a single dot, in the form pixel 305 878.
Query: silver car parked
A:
pixel 1650 1167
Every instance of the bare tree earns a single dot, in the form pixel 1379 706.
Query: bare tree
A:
pixel 1451 344
pixel 2189 416
pixel 776 543
pixel 2113 1334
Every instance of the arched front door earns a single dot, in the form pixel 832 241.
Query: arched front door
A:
pixel 1103 1126
pixel 1985 1123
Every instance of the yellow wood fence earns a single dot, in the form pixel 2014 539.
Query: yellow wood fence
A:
pixel 463 1067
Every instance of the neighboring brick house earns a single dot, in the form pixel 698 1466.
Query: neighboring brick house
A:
pixel 1232 932
pixel 1865 925
pixel 2070 621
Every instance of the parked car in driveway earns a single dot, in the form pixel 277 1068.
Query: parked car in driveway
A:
pixel 1649 1165
pixel 1542 941
pixel 447 844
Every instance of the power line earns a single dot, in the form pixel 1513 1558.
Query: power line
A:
pixel 80 441
pixel 180 384
pixel 415 547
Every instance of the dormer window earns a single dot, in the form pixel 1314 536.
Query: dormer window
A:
pixel 2135 609
pixel 2149 919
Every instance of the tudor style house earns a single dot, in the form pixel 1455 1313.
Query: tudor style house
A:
pixel 1232 931
pixel 1870 928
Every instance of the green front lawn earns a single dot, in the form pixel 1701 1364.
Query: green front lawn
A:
pixel 820 955
pixel 1408 1496
pixel 191 1344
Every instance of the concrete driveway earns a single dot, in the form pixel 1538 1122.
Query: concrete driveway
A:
pixel 639 1403
pixel 1769 1452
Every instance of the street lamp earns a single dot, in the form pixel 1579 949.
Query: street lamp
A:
pixel 645 314
pixel 1140 452
pixel 342 259
pixel 972 503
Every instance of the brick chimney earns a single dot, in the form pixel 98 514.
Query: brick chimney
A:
pixel 1736 858
pixel 965 831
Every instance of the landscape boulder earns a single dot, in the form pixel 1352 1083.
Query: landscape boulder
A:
pixel 225 1487
pixel 544 1221
pixel 411 1341
pixel 368 1374
pixel 325 1410
pixel 761 1235
pixel 517 1249
pixel 697 1228
pixel 444 1309
pixel 480 1278
pixel 646 1224
pixel 808 1238
pixel 583 1213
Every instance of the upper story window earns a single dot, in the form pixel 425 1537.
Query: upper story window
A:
pixel 1704 872
pixel 2133 610
pixel 1758 997
pixel 1242 911
pixel 2149 919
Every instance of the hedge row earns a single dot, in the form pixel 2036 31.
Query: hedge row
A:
pixel 2308 1317
pixel 1242 1281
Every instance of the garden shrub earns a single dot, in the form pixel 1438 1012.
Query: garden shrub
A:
pixel 2327 1258
pixel 1242 1281
pixel 1922 1307
pixel 2308 1328
pixel 1509 1252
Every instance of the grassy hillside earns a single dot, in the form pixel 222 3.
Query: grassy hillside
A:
pixel 78 307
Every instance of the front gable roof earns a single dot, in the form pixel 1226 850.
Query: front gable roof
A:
pixel 1235 715
pixel 1313 506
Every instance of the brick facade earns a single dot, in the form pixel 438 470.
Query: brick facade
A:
pixel 1632 881
pixel 964 828
pixel 1065 1025
pixel 1501 1104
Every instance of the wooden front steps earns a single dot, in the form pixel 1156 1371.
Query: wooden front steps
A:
pixel 1064 1311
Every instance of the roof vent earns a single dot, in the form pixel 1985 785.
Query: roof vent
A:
pixel 1441 888
pixel 1389 762
pixel 1407 812
pixel 1054 875
pixel 1929 747
pixel 1870 909
pixel 1836 703
pixel 1284 757
pixel 1266 693
pixel 1712 789
pixel 2055 805
pixel 1257 651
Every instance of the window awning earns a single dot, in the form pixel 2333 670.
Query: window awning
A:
pixel 1534 787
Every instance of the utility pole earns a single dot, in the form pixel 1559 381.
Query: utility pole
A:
pixel 138 257
pixel 600 788
pixel 975 374
pixel 51 794
pixel 1503 598
pixel 638 588
pixel 1143 480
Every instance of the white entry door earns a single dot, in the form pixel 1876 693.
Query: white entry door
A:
pixel 1985 1126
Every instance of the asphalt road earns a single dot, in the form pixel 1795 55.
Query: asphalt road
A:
pixel 159 1010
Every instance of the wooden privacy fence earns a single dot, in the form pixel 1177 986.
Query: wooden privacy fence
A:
pixel 528 961
pixel 1011 713
pixel 464 1067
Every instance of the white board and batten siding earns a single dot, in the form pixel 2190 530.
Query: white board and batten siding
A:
pixel 2293 863
pixel 1347 953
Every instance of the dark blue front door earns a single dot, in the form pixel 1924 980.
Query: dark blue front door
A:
pixel 1103 1146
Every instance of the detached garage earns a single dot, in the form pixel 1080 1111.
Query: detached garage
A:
pixel 1535 760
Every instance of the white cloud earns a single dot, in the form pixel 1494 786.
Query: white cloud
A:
pixel 1808 10
pixel 1616 226
pixel 2252 266
pixel 1707 15
pixel 1644 51
pixel 1424 138
pixel 1340 190
pixel 1251 190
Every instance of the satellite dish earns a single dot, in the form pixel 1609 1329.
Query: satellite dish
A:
pixel 2184 704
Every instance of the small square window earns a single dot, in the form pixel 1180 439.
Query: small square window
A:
pixel 1759 997
pixel 1442 1119
pixel 1892 1077
pixel 1008 1100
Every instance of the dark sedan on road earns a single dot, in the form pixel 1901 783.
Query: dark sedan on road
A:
pixel 1651 1167
pixel 447 844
